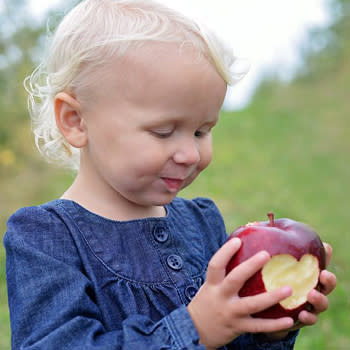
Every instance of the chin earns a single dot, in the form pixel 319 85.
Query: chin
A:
pixel 156 200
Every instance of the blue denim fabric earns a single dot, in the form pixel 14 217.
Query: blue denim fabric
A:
pixel 77 280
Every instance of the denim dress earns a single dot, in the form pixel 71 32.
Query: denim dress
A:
pixel 77 280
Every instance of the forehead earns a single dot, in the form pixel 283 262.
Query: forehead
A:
pixel 155 56
pixel 162 79
pixel 157 63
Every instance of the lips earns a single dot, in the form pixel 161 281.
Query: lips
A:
pixel 173 185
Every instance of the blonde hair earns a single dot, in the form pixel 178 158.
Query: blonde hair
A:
pixel 87 38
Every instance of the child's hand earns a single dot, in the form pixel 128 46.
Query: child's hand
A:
pixel 219 314
pixel 318 299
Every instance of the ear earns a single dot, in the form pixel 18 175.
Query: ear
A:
pixel 69 120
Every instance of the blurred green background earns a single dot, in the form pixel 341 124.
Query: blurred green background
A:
pixel 287 152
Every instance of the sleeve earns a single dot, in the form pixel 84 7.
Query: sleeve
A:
pixel 252 342
pixel 212 215
pixel 52 304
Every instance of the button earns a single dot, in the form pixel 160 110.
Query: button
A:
pixel 160 234
pixel 175 262
pixel 190 292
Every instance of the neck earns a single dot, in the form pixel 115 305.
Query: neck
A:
pixel 100 199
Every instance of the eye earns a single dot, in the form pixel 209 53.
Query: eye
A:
pixel 199 133
pixel 202 132
pixel 162 134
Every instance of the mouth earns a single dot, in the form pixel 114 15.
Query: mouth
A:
pixel 173 185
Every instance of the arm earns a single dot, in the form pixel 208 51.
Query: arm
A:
pixel 52 303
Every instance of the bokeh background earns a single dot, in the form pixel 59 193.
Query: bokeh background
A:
pixel 286 151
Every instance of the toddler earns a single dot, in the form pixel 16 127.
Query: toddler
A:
pixel 127 96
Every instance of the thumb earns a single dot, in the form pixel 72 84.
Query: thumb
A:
pixel 217 265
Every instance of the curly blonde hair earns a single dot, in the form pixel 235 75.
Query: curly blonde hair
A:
pixel 87 38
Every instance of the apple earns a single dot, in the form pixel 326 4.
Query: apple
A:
pixel 297 258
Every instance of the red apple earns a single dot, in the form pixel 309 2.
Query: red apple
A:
pixel 297 258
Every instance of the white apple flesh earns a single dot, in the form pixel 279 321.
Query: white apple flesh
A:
pixel 285 270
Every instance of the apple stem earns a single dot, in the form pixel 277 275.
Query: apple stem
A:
pixel 271 217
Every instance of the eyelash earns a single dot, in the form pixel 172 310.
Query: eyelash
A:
pixel 164 135
pixel 200 134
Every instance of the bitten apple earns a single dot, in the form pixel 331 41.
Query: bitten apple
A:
pixel 297 258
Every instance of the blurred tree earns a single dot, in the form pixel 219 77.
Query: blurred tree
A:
pixel 19 36
pixel 21 46
pixel 327 50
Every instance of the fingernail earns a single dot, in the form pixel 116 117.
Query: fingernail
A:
pixel 313 294
pixel 287 290
pixel 264 254
pixel 235 241
pixel 289 322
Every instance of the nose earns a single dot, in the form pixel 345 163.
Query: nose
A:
pixel 187 153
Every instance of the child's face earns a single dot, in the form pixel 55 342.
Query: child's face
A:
pixel 149 124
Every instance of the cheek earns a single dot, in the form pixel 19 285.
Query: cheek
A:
pixel 147 159
pixel 205 160
pixel 206 155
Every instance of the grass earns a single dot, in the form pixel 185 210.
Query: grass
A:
pixel 4 315
pixel 287 153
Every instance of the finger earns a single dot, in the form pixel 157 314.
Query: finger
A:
pixel 328 281
pixel 241 273
pixel 307 318
pixel 217 265
pixel 260 302
pixel 318 300
pixel 267 325
pixel 329 252
pixel 297 325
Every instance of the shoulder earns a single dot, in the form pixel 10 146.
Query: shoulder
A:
pixel 199 206
pixel 34 219
pixel 39 228
pixel 201 212
pixel 200 202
